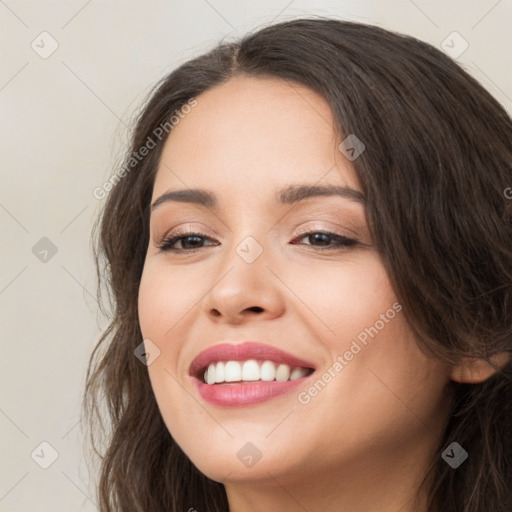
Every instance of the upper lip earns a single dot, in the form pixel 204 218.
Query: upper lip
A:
pixel 242 352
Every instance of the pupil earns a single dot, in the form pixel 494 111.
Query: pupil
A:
pixel 196 239
pixel 321 237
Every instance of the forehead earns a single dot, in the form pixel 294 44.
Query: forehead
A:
pixel 253 135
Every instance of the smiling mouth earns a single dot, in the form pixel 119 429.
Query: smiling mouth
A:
pixel 251 370
pixel 248 373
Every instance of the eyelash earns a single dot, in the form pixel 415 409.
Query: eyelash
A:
pixel 342 241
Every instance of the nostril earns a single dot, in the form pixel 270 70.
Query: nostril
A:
pixel 256 309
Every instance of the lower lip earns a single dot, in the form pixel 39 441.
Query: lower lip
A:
pixel 247 393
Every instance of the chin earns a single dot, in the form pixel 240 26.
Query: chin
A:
pixel 240 457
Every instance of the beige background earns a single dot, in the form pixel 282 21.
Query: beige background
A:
pixel 64 121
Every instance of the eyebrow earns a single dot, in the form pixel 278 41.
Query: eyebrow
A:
pixel 289 195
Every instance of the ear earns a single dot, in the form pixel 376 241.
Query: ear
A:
pixel 472 370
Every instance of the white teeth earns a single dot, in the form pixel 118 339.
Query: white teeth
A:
pixel 251 371
pixel 268 371
pixel 220 374
pixel 298 373
pixel 210 378
pixel 282 373
pixel 232 371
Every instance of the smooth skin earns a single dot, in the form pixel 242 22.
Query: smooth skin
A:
pixel 363 442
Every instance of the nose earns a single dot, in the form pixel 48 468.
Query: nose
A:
pixel 244 291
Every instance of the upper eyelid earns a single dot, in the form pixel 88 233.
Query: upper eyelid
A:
pixel 190 231
pixel 346 226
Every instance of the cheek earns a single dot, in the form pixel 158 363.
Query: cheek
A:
pixel 343 299
pixel 361 324
pixel 165 298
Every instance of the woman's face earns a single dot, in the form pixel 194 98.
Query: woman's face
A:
pixel 257 269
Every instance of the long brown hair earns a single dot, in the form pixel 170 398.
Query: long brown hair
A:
pixel 435 171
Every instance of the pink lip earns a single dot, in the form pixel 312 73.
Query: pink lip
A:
pixel 247 393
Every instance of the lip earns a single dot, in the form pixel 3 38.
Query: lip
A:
pixel 247 393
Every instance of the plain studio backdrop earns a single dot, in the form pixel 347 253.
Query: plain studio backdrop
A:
pixel 72 76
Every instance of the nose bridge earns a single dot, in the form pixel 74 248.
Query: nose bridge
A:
pixel 248 246
pixel 245 284
pixel 246 265
pixel 252 238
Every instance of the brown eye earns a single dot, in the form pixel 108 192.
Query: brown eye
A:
pixel 324 240
pixel 189 242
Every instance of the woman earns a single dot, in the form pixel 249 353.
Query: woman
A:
pixel 309 252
